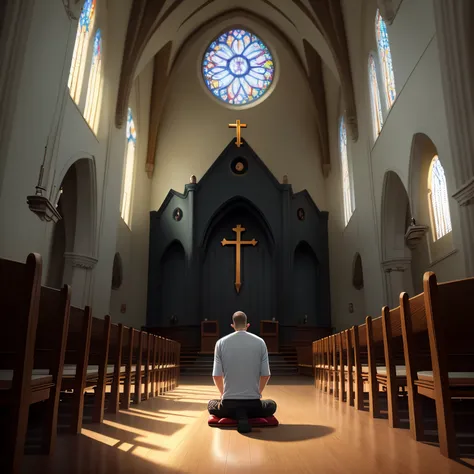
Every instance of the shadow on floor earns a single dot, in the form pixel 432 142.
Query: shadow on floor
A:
pixel 288 433
pixel 82 455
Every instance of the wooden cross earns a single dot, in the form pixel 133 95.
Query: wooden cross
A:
pixel 238 126
pixel 238 230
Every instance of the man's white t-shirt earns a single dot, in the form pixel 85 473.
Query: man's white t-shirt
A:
pixel 242 358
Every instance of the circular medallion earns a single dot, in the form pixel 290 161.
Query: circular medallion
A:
pixel 301 214
pixel 177 214
pixel 239 166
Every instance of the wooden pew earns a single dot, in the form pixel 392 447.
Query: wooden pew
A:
pixel 99 373
pixel 386 363
pixel 115 359
pixel 50 348
pixel 392 376
pixel 146 364
pixel 316 354
pixel 26 326
pixel 159 365
pixel 443 314
pixel 127 355
pixel 166 365
pixel 326 374
pixel 346 367
pixel 20 285
pixel 333 387
pixel 339 351
pixel 178 362
pixel 76 362
pixel 305 360
pixel 359 344
pixel 138 370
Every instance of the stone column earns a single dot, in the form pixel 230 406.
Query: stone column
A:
pixel 78 272
pixel 456 52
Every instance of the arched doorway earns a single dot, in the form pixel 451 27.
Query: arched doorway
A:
pixel 219 295
pixel 72 251
pixel 396 256
pixel 64 231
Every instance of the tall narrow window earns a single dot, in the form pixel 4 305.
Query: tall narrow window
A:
pixel 377 117
pixel 94 90
pixel 438 200
pixel 385 57
pixel 79 56
pixel 126 206
pixel 346 178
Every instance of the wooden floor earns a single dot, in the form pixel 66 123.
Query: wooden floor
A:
pixel 317 435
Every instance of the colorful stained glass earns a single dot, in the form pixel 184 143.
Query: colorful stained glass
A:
pixel 238 68
pixel 345 173
pixel 126 204
pixel 94 90
pixel 79 55
pixel 85 20
pixel 385 57
pixel 377 117
pixel 438 195
pixel 131 132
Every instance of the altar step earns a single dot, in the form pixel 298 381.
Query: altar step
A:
pixel 195 363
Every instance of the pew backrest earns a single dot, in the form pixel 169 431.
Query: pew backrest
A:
pixel 79 336
pixel 450 321
pixel 52 330
pixel 20 286
pixel 415 333
pixel 115 354
pixel 99 342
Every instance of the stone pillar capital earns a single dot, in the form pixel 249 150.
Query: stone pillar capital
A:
pixel 80 261
pixel 396 264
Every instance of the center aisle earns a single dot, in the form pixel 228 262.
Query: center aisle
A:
pixel 170 434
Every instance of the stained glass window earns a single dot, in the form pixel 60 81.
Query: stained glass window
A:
pixel 79 56
pixel 238 68
pixel 385 57
pixel 126 205
pixel 94 90
pixel 345 173
pixel 377 117
pixel 438 200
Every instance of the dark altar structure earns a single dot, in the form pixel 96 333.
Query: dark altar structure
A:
pixel 238 240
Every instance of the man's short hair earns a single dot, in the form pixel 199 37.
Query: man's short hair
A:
pixel 239 319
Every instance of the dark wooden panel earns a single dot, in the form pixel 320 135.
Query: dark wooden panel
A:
pixel 188 336
pixel 294 336
pixel 289 336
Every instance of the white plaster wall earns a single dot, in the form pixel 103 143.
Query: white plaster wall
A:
pixel 419 107
pixel 281 129
pixel 133 241
pixel 43 80
pixel 39 85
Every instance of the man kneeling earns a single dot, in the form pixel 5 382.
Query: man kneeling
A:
pixel 241 372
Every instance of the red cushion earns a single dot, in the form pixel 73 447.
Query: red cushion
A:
pixel 227 421
pixel 261 422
